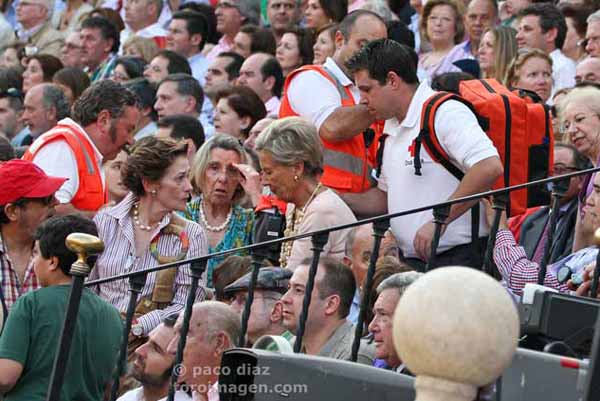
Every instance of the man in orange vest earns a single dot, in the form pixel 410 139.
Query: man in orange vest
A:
pixel 326 96
pixel 105 118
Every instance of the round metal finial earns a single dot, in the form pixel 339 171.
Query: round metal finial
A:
pixel 83 245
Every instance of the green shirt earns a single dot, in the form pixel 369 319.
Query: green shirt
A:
pixel 31 337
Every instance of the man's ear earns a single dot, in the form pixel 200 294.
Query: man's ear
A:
pixel 270 83
pixel 339 40
pixel 104 121
pixel 51 113
pixel 277 313
pixel 108 45
pixel 333 304
pixel 190 104
pixel 54 264
pixel 12 211
pixel 196 39
pixel 550 35
pixel 222 344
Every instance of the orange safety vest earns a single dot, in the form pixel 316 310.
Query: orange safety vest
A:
pixel 348 165
pixel 90 194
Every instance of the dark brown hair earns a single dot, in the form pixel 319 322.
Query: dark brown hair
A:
pixel 50 65
pixel 149 160
pixel 246 103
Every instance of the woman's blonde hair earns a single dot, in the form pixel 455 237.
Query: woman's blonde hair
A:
pixel 146 47
pixel 200 162
pixel 459 12
pixel 293 140
pixel 585 95
pixel 505 50
pixel 512 74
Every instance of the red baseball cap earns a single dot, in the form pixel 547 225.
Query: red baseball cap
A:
pixel 23 179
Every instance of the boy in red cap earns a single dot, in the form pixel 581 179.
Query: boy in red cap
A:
pixel 26 200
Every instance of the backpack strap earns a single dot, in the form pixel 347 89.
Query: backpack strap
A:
pixel 427 136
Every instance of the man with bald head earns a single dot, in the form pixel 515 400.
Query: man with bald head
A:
pixel 588 70
pixel 214 328
pixel 262 73
pixel 481 15
pixel 43 107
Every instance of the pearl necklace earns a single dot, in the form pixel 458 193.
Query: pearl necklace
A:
pixel 214 228
pixel 293 221
pixel 136 218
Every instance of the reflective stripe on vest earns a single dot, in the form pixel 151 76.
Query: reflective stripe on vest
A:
pixel 347 165
pixel 91 194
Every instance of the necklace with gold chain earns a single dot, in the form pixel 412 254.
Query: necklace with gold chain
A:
pixel 292 221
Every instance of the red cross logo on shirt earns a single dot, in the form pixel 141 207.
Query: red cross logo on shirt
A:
pixel 412 149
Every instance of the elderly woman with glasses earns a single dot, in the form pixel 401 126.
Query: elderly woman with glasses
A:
pixel 221 177
pixel 579 113
pixel 291 158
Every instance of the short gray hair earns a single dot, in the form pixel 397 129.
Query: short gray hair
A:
pixel 379 7
pixel 293 140
pixel 53 96
pixel 587 95
pixel 399 282
pixel 200 162
pixel 251 10
pixel 594 17
pixel 217 317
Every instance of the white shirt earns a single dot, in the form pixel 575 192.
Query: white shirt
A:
pixel 57 159
pixel 151 31
pixel 272 106
pixel 138 395
pixel 199 65
pixel 302 92
pixel 148 130
pixel 563 71
pixel 462 138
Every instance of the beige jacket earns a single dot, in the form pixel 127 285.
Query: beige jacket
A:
pixel 47 40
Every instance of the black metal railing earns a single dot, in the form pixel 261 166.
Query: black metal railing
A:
pixel 319 239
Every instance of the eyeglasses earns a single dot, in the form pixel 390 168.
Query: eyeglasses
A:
pixel 566 125
pixel 560 169
pixel 11 92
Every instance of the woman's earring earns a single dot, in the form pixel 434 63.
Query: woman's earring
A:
pixel 153 192
pixel 296 178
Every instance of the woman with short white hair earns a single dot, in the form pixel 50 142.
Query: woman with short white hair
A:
pixel 291 158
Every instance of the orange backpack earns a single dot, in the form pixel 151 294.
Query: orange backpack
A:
pixel 520 129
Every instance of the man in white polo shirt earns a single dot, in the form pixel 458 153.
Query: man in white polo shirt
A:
pixel 385 74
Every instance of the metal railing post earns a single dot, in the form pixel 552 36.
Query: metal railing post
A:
pixel 258 257
pixel 83 245
pixel 318 242
pixel 379 229
pixel 136 284
pixel 440 214
pixel 558 191
pixel 499 206
pixel 197 268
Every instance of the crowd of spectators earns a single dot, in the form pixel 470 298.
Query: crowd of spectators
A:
pixel 175 129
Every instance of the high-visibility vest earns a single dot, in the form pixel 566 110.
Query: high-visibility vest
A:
pixel 91 194
pixel 348 165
